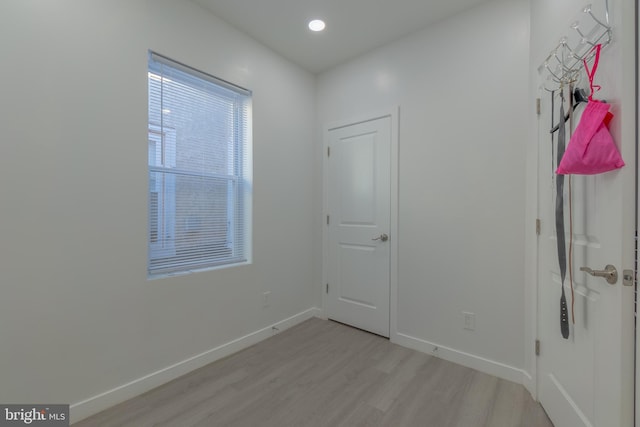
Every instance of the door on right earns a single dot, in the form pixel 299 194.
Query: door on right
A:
pixel 359 203
pixel 588 378
pixel 583 380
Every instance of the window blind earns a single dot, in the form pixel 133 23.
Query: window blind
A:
pixel 199 169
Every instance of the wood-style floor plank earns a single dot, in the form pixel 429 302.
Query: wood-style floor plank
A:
pixel 325 374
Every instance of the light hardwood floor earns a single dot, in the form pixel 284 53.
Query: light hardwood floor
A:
pixel 322 373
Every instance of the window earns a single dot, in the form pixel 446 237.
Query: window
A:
pixel 162 195
pixel 199 170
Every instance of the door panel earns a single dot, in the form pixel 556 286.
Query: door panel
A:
pixel 359 210
pixel 579 377
pixel 354 260
pixel 587 380
pixel 357 176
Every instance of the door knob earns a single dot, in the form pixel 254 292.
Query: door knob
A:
pixel 382 237
pixel 609 273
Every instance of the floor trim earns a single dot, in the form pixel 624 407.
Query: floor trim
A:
pixel 102 401
pixel 487 366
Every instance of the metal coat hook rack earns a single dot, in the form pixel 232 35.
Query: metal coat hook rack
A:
pixel 565 62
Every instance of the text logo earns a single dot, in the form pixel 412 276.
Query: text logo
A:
pixel 34 415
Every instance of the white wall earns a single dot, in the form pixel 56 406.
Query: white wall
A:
pixel 462 89
pixel 78 316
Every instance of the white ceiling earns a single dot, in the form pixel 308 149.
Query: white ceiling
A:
pixel 353 26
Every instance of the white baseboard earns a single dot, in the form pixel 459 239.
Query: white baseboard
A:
pixel 478 363
pixel 530 385
pixel 95 404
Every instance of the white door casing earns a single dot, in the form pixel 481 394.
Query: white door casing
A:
pixel 637 192
pixel 359 197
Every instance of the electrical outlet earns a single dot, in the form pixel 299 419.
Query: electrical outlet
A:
pixel 265 298
pixel 469 321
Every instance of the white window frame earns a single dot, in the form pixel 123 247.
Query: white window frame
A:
pixel 171 243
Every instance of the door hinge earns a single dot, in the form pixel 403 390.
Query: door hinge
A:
pixel 327 288
pixel 538 226
pixel 628 277
pixel 328 220
pixel 537 347
pixel 328 151
pixel 538 106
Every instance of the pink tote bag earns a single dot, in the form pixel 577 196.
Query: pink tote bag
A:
pixel 591 149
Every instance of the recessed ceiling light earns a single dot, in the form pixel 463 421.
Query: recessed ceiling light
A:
pixel 317 25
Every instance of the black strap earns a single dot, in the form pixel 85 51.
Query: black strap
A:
pixel 562 251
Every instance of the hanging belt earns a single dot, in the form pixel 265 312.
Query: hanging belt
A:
pixel 560 238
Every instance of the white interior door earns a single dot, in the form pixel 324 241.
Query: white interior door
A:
pixel 582 380
pixel 358 270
